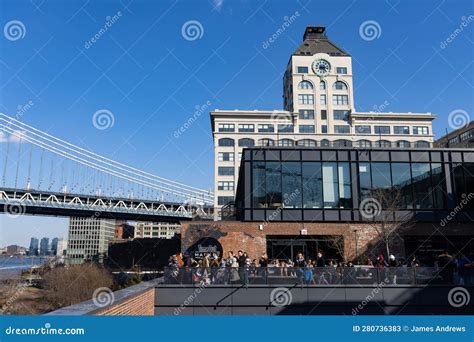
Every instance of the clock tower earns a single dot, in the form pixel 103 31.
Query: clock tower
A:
pixel 318 83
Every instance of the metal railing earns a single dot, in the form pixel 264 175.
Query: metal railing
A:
pixel 358 275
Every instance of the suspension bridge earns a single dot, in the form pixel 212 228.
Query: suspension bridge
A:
pixel 45 175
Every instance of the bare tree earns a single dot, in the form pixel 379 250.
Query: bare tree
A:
pixel 73 284
pixel 336 242
pixel 384 213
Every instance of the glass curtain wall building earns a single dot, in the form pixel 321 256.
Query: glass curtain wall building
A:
pixel 329 185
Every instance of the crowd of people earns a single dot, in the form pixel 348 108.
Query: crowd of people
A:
pixel 240 268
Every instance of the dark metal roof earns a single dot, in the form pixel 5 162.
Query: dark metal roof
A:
pixel 315 41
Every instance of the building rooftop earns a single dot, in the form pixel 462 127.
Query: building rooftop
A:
pixel 315 41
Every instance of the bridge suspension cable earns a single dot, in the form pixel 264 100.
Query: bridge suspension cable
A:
pixel 100 163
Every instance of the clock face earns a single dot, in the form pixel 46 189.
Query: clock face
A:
pixel 321 67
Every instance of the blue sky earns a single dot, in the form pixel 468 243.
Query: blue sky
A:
pixel 144 71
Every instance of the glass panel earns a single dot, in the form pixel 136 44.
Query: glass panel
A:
pixel 381 176
pixel 273 191
pixel 439 181
pixel 258 178
pixel 312 185
pixel 469 179
pixel 458 182
pixel 344 173
pixel 401 177
pixel 291 184
pixel 422 185
pixel 330 186
pixel 364 180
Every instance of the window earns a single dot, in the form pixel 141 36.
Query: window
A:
pixel 225 186
pixel 226 156
pixel 422 144
pixel 336 185
pixel 286 128
pixel 401 130
pixel 246 128
pixel 273 185
pixel 246 142
pixel 266 142
pixel 342 143
pixel 305 99
pixel 341 115
pixel 226 142
pixel 364 143
pixel 324 142
pixel 302 70
pixel 420 130
pixel 225 171
pixel 291 184
pixel 265 128
pixel 467 135
pixel 341 70
pixel 383 143
pixel 322 100
pixel 324 114
pixel 312 185
pixel 306 143
pixel 223 200
pixel 363 129
pixel 324 129
pixel 403 143
pixel 382 129
pixel 306 128
pixel 453 141
pixel 305 85
pixel 322 85
pixel 339 85
pixel 226 127
pixel 340 100
pixel 342 129
pixel 286 142
pixel 306 114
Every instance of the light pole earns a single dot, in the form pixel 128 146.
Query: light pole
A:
pixel 356 249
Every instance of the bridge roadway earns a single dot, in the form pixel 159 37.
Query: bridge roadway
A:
pixel 17 202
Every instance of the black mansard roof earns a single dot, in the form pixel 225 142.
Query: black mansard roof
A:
pixel 316 41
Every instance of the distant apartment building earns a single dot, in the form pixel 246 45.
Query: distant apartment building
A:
pixel 318 102
pixel 34 245
pixel 54 246
pixel 162 230
pixel 124 230
pixel 15 250
pixel 462 137
pixel 89 239
pixel 44 246
pixel 61 247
